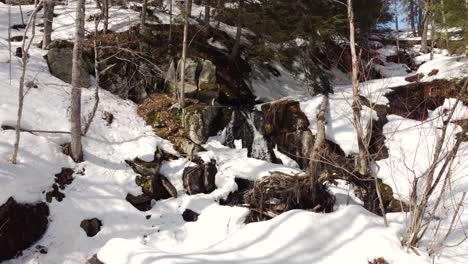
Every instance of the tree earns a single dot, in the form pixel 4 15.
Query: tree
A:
pixel 363 165
pixel 24 63
pixel 75 120
pixel 143 16
pixel 425 24
pixel 106 16
pixel 236 47
pixel 48 19
pixel 395 13
pixel 184 57
pixel 207 11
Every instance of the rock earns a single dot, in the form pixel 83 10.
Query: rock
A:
pixel 202 122
pixel 415 78
pixel 59 59
pixel 207 78
pixel 200 178
pixel 21 225
pixel 288 127
pixel 433 72
pixel 237 197
pixel 108 118
pixel 250 129
pixel 91 226
pixel 64 177
pixel 141 202
pixel 42 249
pixel 94 260
pixel 190 216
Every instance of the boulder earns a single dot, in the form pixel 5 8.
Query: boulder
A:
pixel 200 178
pixel 190 216
pixel 60 61
pixel 288 127
pixel 91 226
pixel 207 77
pixel 21 225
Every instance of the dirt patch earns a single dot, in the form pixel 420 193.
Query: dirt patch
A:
pixel 21 225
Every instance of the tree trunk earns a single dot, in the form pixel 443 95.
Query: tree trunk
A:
pixel 412 17
pixel 143 16
pixel 444 24
pixel 184 57
pixel 207 12
pixel 433 38
pixel 318 148
pixel 24 63
pixel 395 9
pixel 235 49
pixel 189 8
pixel 170 26
pixel 75 108
pixel 426 18
pixel 420 16
pixel 48 19
pixel 106 16
pixel 362 159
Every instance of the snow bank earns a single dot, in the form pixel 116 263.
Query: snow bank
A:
pixel 328 240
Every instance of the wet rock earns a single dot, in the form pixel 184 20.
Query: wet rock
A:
pixel 21 225
pixel 141 202
pixel 60 60
pixel 190 216
pixel 288 127
pixel 91 226
pixel 200 178
pixel 250 129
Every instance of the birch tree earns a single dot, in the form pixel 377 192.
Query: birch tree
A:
pixel 75 108
pixel 183 59
pixel 363 165
pixel 24 63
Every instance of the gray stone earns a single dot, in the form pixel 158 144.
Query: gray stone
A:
pixel 207 79
pixel 60 61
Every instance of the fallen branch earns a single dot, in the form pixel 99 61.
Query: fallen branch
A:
pixel 6 127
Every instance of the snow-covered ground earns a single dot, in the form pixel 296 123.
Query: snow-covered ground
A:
pixel 350 234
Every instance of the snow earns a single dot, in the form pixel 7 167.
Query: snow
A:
pixel 351 234
pixel 328 240
pixel 448 68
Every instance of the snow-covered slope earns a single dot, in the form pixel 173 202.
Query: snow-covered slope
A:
pixel 160 235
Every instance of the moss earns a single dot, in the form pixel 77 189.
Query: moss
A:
pixel 209 87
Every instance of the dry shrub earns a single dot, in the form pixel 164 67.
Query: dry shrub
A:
pixel 281 192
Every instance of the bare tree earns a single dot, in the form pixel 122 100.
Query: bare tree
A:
pixel 441 163
pixel 362 158
pixel 48 20
pixel 207 11
pixel 106 16
pixel 75 120
pixel 235 49
pixel 318 149
pixel 98 78
pixel 425 24
pixel 183 59
pixel 24 63
pixel 395 12
pixel 143 16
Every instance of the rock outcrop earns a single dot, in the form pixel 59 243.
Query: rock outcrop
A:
pixel 21 225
